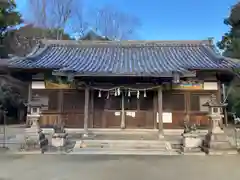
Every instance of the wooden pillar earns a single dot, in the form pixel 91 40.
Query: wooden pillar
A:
pixel 222 90
pixel 155 110
pixel 86 105
pixel 160 120
pixel 187 99
pixel 91 114
pixel 29 95
pixel 29 99
pixel 60 106
pixel 123 113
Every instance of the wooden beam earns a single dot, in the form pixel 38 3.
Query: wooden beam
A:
pixel 86 105
pixel 123 113
pixel 160 120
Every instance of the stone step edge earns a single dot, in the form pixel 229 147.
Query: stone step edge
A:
pixel 126 153
pixel 99 153
pixel 121 147
pixel 219 152
pixel 117 148
pixel 122 141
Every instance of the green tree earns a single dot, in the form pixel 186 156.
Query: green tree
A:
pixel 230 43
pixel 8 19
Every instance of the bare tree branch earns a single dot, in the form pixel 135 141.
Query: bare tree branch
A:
pixel 78 25
pixel 61 14
pixel 50 14
pixel 115 24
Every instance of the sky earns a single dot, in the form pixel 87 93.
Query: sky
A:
pixel 170 19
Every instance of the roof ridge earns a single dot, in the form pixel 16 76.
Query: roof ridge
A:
pixel 127 42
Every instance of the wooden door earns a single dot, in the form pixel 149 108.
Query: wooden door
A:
pixel 107 111
pixel 139 111
pixel 73 108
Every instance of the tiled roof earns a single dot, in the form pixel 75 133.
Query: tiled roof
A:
pixel 124 58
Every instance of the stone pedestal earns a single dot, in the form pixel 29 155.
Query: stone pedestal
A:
pixel 216 140
pixel 59 140
pixel 32 133
pixel 191 142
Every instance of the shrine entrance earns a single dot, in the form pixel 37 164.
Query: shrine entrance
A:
pixel 138 109
pixel 124 111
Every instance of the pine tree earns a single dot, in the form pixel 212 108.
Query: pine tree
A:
pixel 230 43
pixel 9 18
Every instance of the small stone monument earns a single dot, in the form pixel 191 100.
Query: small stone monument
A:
pixel 60 136
pixel 216 140
pixel 191 140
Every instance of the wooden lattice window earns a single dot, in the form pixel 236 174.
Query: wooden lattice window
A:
pixel 130 103
pixel 53 100
pixel 173 102
pixel 113 103
pixel 99 102
pixel 197 101
pixel 146 103
pixel 73 101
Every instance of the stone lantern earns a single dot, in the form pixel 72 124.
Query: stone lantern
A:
pixel 215 113
pixel 33 116
pixel 216 140
pixel 34 113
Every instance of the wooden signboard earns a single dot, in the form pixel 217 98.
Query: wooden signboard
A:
pixel 57 82
pixel 188 86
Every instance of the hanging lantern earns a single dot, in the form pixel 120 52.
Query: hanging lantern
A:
pixel 115 93
pixel 145 93
pixel 176 78
pixel 118 91
pixel 108 95
pixel 129 93
pixel 99 94
pixel 138 94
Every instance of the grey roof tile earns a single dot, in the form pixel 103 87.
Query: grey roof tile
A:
pixel 133 58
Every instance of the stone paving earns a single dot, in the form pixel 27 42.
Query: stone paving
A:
pixel 106 167
pixel 15 136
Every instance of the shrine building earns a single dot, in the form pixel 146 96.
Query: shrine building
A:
pixel 123 84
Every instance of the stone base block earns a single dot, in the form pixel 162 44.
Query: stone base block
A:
pixel 188 150
pixel 217 143
pixel 194 153
pixel 58 141
pixel 191 142
pixel 221 137
pixel 218 152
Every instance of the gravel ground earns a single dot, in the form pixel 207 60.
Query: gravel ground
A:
pixel 106 167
